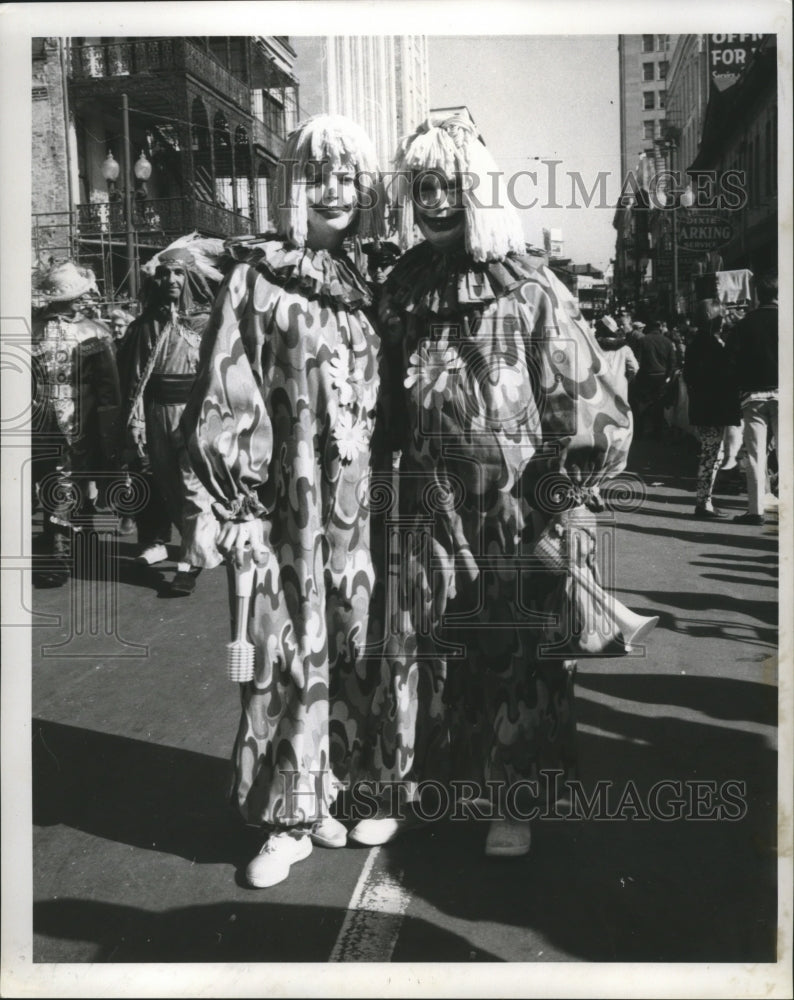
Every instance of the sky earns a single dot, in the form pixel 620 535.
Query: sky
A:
pixel 546 96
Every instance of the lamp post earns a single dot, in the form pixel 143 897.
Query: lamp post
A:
pixel 681 199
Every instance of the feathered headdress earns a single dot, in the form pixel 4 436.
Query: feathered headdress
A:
pixel 198 256
pixel 62 281
pixel 205 251
pixel 339 142
pixel 454 148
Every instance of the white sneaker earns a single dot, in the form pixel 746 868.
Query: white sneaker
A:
pixel 381 830
pixel 278 853
pixel 153 554
pixel 329 832
pixel 508 838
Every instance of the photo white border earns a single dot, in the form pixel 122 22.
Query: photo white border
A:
pixel 19 977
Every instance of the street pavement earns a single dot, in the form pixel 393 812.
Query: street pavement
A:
pixel 136 859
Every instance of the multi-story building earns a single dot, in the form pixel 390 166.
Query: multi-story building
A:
pixel 203 120
pixel 379 81
pixel 688 83
pixel 740 134
pixel 643 63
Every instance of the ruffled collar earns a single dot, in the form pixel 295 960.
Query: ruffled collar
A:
pixel 426 281
pixel 314 273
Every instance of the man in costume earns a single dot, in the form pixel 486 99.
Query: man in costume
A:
pixel 78 430
pixel 160 359
pixel 507 417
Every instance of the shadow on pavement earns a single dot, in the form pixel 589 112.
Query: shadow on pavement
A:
pixel 639 888
pixel 220 932
pixel 133 792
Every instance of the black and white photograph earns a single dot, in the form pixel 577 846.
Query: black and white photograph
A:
pixel 396 492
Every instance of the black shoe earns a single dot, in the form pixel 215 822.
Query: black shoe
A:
pixel 185 581
pixel 757 519
pixel 704 514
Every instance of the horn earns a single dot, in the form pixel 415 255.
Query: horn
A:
pixel 596 618
pixel 605 617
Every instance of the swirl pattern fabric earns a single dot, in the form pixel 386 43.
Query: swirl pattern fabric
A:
pixel 502 385
pixel 280 428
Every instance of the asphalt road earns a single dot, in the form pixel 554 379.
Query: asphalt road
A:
pixel 136 859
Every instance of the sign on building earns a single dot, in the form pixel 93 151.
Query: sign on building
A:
pixel 703 231
pixel 731 53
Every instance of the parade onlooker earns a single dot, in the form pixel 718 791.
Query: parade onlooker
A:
pixel 78 389
pixel 279 428
pixel 656 357
pixel 757 375
pixel 710 376
pixel 382 255
pixel 160 365
pixel 119 321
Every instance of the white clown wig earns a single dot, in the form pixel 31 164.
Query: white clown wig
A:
pixel 339 142
pixel 454 148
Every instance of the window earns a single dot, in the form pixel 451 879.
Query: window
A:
pixel 648 100
pixel 647 72
pixel 662 99
pixel 663 65
pixel 647 43
pixel 664 43
pixel 648 129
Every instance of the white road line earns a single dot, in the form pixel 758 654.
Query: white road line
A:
pixel 374 916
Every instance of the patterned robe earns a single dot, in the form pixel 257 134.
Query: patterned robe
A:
pixel 508 416
pixel 279 427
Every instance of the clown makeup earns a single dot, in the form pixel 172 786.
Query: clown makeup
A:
pixel 331 200
pixel 438 208
pixel 171 281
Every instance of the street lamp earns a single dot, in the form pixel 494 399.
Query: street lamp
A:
pixel 110 171
pixel 681 199
pixel 142 171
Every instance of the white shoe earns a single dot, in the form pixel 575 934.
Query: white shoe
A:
pixel 278 853
pixel 153 554
pixel 381 830
pixel 329 832
pixel 508 838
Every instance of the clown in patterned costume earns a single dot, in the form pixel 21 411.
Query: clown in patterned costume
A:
pixel 503 405
pixel 279 428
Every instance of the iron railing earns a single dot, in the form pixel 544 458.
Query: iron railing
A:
pixel 155 217
pixel 151 56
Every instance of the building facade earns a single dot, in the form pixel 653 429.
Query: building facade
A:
pixel 379 81
pixel 643 64
pixel 203 121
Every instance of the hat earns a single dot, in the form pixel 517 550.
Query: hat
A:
pixel 179 257
pixel 637 325
pixel 608 323
pixel 64 282
pixel 382 253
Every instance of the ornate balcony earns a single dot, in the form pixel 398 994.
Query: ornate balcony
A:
pixel 157 221
pixel 150 58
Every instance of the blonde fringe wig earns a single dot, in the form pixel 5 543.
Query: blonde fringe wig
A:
pixel 492 226
pixel 340 142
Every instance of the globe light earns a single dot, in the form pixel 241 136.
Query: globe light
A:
pixel 142 168
pixel 110 169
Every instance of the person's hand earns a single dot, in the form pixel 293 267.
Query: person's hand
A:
pixel 237 537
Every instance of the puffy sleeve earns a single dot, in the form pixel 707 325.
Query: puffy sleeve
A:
pixel 585 418
pixel 226 425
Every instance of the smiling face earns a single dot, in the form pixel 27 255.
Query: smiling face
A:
pixel 331 199
pixel 438 209
pixel 171 281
